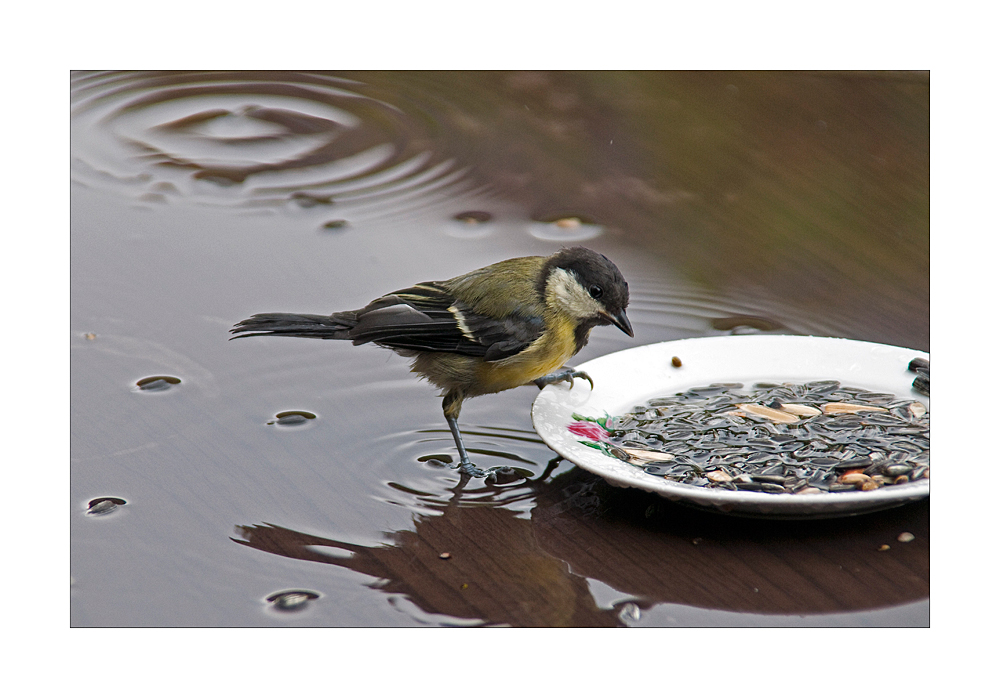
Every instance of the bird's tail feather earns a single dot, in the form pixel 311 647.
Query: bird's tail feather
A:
pixel 336 326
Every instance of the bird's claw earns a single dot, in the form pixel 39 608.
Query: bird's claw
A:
pixel 563 374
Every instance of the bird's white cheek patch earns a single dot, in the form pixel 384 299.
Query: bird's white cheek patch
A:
pixel 564 289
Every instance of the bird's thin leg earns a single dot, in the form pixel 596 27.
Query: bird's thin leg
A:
pixel 465 465
pixel 452 406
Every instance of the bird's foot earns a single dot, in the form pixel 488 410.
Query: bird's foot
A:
pixel 500 473
pixel 567 373
pixel 467 468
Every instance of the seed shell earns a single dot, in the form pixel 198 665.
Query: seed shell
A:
pixel 768 412
pixel 799 410
pixel 846 408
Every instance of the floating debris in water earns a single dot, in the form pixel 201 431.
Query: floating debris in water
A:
pixel 905 537
pixel 473 217
pixel 629 613
pixel 505 474
pixel 292 418
pixel 104 505
pixel 307 200
pixel 154 383
pixel 779 438
pixel 335 224
pixel 90 336
pixel 292 600
pixel 565 227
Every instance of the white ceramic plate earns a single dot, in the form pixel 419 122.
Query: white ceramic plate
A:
pixel 631 377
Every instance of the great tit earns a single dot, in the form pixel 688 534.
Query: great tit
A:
pixel 508 324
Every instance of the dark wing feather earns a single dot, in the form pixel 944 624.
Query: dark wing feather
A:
pixel 426 317
pixel 504 337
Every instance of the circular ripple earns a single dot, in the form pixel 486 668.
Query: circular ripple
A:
pixel 419 468
pixel 281 140
pixel 687 309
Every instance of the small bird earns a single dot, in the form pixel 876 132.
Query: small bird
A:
pixel 506 325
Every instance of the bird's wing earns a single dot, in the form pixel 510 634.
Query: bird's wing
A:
pixel 428 317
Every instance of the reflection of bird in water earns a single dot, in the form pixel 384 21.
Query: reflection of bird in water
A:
pixel 493 570
pixel 588 545
pixel 492 329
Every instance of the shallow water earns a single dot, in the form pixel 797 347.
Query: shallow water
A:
pixel 732 202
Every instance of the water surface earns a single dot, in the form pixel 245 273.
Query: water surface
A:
pixel 732 202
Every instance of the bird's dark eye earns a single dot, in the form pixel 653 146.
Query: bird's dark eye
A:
pixel 595 291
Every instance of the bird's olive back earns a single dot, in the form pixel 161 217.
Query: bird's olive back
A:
pixel 502 289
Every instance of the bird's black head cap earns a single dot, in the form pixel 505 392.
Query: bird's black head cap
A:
pixel 596 273
pixel 599 278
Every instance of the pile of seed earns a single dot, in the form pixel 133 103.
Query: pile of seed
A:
pixel 778 438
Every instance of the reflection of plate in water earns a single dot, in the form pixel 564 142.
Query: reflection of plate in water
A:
pixel 628 378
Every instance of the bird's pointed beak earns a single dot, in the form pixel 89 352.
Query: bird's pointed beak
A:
pixel 620 320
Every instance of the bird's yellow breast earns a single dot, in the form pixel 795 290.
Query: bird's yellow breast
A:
pixel 546 354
